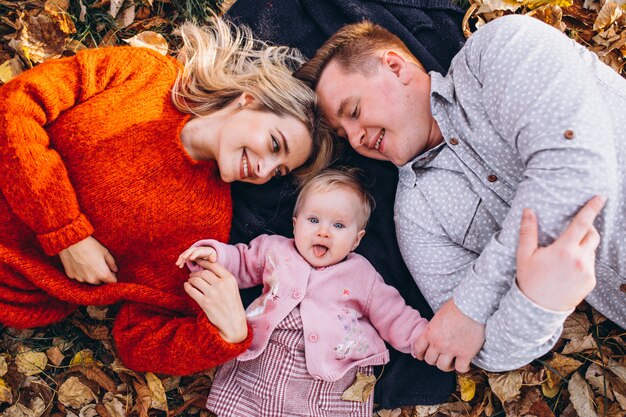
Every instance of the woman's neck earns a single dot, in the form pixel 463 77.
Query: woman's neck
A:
pixel 199 134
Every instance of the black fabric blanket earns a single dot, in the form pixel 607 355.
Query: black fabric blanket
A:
pixel 432 30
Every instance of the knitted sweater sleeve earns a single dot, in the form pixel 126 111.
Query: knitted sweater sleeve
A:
pixel 149 340
pixel 33 177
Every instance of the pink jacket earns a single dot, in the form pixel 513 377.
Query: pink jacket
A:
pixel 346 308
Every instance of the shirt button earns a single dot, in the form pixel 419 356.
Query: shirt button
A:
pixel 295 294
pixel 313 337
pixel 568 134
pixel 454 141
pixel 492 178
pixel 622 288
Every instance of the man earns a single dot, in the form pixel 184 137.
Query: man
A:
pixel 524 118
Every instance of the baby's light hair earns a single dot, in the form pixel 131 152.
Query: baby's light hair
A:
pixel 330 179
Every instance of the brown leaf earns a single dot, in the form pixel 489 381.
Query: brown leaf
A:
pixel 550 14
pixel 126 16
pixel 97 312
pixel 151 40
pixel 576 326
pixel 580 345
pixel 540 409
pixel 506 386
pixel 609 13
pixel 425 410
pixel 581 396
pixel 18 410
pixel 144 399
pixel 4 367
pixel 75 394
pixel 361 388
pixel 595 378
pixel 563 365
pixel 113 406
pixel 97 375
pixel 40 38
pixel 55 355
pixel 95 331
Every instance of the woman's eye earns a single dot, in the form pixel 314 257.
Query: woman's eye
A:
pixel 339 225
pixel 313 220
pixel 275 145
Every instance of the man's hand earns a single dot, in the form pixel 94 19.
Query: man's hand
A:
pixel 201 255
pixel 558 277
pixel 88 261
pixel 216 292
pixel 451 339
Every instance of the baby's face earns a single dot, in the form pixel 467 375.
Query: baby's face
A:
pixel 326 228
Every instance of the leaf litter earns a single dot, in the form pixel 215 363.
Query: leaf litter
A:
pixel 71 369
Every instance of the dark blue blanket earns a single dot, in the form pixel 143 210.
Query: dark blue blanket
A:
pixel 432 30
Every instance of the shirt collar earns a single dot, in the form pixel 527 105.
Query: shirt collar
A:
pixel 406 173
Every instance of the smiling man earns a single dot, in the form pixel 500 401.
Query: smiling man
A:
pixel 525 118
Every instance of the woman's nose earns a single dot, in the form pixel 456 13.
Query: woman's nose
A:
pixel 266 167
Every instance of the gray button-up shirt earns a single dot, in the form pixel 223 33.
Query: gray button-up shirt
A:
pixel 530 119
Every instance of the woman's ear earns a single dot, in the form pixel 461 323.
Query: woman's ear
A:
pixel 396 63
pixel 246 99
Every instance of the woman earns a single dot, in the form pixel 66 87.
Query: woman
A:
pixel 115 159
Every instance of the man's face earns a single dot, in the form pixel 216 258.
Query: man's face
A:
pixel 384 114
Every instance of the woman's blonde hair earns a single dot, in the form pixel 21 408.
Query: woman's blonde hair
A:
pixel 222 61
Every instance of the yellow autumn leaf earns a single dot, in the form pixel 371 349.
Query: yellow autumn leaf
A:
pixel 608 14
pixel 85 358
pixel 506 386
pixel 9 69
pixel 149 39
pixel 157 392
pixel 467 386
pixel 550 391
pixel 6 396
pixel 533 4
pixel 30 362
pixel 360 389
pixel 563 365
pixel 75 394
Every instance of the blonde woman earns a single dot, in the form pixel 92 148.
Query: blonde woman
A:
pixel 114 159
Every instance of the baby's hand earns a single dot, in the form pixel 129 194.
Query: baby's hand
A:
pixel 196 254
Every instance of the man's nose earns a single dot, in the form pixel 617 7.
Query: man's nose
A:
pixel 356 136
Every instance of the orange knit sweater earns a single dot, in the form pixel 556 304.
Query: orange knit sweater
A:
pixel 90 145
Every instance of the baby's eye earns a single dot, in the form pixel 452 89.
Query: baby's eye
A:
pixel 339 225
pixel 313 220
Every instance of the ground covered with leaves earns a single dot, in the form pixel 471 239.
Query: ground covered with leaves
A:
pixel 72 370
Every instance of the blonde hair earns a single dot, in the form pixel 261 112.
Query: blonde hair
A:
pixel 330 179
pixel 222 61
pixel 354 47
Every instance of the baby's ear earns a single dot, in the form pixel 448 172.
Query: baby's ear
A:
pixel 357 241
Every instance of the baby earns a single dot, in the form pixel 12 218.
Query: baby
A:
pixel 324 313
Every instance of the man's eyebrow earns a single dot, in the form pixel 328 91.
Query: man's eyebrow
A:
pixel 285 145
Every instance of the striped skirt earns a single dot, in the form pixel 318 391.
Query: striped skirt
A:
pixel 277 384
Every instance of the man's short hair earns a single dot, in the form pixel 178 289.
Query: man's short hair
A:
pixel 355 49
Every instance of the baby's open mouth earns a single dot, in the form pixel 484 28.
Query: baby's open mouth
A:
pixel 319 250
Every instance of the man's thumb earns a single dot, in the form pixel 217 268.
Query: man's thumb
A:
pixel 527 235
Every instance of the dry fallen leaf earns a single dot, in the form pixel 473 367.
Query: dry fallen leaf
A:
pixel 467 387
pixel 97 375
pixel 40 38
pixel 609 13
pixel 360 389
pixel 576 326
pixel 564 366
pixel 75 394
pixel 84 358
pixel 144 400
pixel 6 396
pixel 548 391
pixel 10 69
pixel 159 401
pixel 580 345
pixel 595 378
pixel 37 406
pixel 506 386
pixel 55 355
pixel 3 365
pixel 581 396
pixel 18 410
pixel 390 413
pixel 97 312
pixel 149 39
pixel 425 410
pixel 113 405
pixel 30 362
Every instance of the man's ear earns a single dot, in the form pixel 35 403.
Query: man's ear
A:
pixel 396 63
pixel 359 236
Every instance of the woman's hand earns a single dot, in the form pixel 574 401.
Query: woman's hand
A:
pixel 216 292
pixel 559 276
pixel 88 261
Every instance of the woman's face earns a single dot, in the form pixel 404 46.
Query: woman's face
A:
pixel 254 146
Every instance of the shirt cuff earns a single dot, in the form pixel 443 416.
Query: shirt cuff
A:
pixel 54 242
pixel 476 302
pixel 529 322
